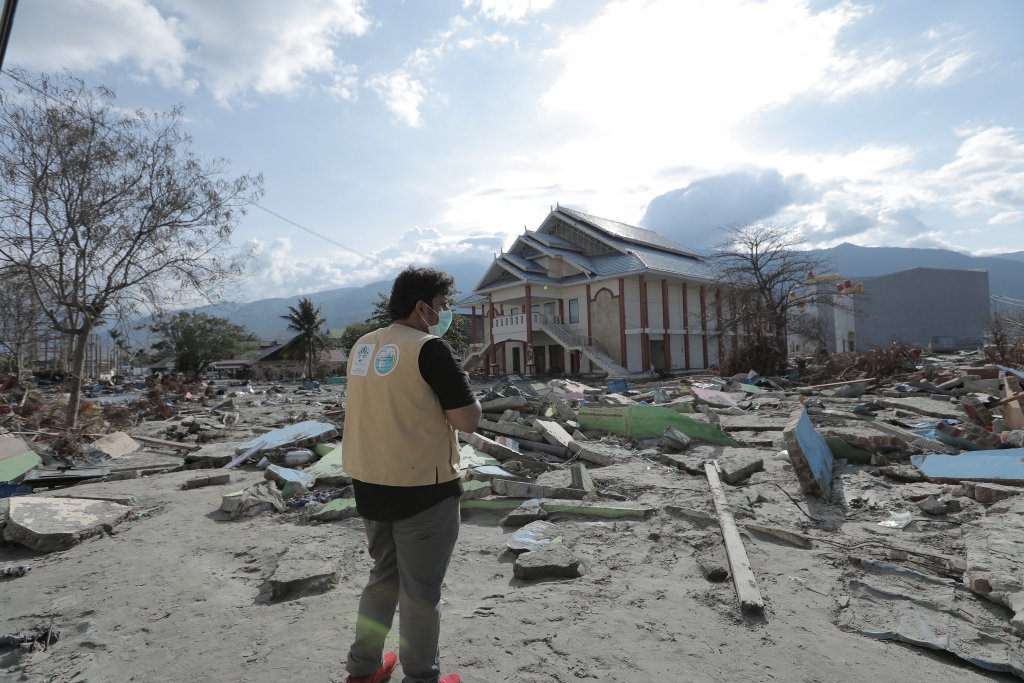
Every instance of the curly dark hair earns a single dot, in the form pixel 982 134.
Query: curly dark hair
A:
pixel 417 284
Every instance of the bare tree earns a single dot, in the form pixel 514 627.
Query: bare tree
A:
pixel 104 212
pixel 766 274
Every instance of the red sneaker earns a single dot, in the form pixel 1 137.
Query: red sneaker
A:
pixel 383 673
pixel 450 678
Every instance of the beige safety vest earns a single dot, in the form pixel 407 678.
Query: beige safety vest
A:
pixel 395 429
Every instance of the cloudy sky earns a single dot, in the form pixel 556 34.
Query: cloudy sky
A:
pixel 433 131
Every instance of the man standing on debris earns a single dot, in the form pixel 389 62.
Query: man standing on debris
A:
pixel 407 396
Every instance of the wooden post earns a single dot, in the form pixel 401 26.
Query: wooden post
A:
pixel 686 328
pixel 742 577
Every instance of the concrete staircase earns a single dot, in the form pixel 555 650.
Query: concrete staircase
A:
pixel 476 357
pixel 573 341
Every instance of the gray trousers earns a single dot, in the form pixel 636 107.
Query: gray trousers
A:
pixel 410 559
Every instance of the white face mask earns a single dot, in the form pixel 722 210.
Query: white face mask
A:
pixel 444 321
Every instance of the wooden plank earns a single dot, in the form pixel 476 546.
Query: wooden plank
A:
pixel 1010 398
pixel 1013 416
pixel 742 577
pixel 173 445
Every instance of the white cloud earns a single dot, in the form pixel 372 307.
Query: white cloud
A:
pixel 947 67
pixel 508 10
pixel 232 47
pixel 401 94
pixel 80 35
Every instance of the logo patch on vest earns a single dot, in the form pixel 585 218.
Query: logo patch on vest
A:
pixel 386 360
pixel 361 356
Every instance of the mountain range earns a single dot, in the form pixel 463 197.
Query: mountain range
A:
pixel 346 305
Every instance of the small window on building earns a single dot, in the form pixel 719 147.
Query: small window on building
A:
pixel 574 311
pixel 514 310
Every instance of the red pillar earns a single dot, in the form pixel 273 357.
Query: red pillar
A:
pixel 622 320
pixel 718 318
pixel 704 324
pixel 645 340
pixel 529 332
pixel 666 341
pixel 686 327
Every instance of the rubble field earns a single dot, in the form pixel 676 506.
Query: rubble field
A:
pixel 693 528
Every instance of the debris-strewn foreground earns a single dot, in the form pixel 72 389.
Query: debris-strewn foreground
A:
pixel 864 530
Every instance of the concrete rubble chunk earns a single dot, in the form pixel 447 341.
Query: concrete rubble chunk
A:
pixel 553 433
pixel 298 576
pixel 255 500
pixel 811 458
pixel 554 562
pixel 985 492
pixel 674 439
pixel 285 475
pixel 55 523
pixel 581 478
pixel 529 511
pixel 523 489
pixel 737 464
pixel 967 436
pixel 601 453
pixel 994 548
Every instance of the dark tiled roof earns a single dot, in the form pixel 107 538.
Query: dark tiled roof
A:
pixel 524 263
pixel 550 240
pixel 630 233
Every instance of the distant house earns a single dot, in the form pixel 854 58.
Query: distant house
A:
pixel 284 361
pixel 828 320
pixel 587 294
pixel 942 308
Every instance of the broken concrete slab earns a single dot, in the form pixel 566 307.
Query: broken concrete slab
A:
pixel 809 454
pixel 601 453
pixel 297 576
pixel 328 469
pixel 715 399
pixel 489 446
pixel 923 405
pixel 207 480
pixel 643 421
pixel 688 462
pixel 529 511
pixel 554 562
pixel 116 444
pixel 210 456
pixel 1001 466
pixel 285 475
pixel 475 488
pixel 304 433
pixel 523 489
pixel 16 459
pixel 994 548
pixel 339 508
pixel 47 524
pixel 893 603
pixel 534 536
pixel 515 430
pixel 553 433
pixel 752 422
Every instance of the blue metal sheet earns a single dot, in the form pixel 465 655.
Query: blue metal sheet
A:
pixel 816 452
pixel 1002 466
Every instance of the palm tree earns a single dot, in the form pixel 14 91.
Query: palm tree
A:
pixel 307 321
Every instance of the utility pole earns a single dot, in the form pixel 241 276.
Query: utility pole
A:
pixel 6 23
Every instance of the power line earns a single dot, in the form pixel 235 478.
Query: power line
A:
pixel 315 233
pixel 15 77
